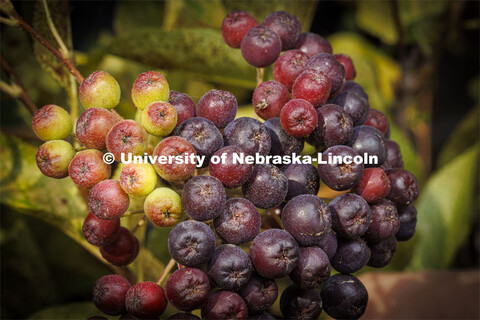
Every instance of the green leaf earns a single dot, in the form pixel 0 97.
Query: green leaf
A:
pixel 60 14
pixel 198 51
pixel 445 212
pixel 77 310
pixel 130 15
pixel 198 13
pixel 376 17
pixel 464 136
pixel 57 202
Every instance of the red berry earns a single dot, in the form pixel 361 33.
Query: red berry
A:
pixel 298 118
pixel 235 25
pixel 313 86
pixel 107 200
pixel 109 294
pixel 269 98
pixel 346 61
pixel 261 47
pixel 288 66
pixel 377 119
pixel 99 232
pixel 313 44
pixel 373 185
pixel 146 300
pixel 123 250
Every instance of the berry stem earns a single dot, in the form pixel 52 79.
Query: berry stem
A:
pixel 260 72
pixel 276 218
pixel 15 17
pixel 166 271
pixel 22 93
pixel 140 223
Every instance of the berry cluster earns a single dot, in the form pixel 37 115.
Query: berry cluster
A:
pixel 313 98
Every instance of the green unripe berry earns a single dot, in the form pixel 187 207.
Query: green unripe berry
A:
pixel 52 122
pixel 99 90
pixel 163 207
pixel 159 118
pixel 149 87
pixel 138 179
pixel 53 158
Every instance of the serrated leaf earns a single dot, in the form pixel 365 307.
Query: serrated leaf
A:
pixel 198 51
pixel 60 14
pixel 57 202
pixel 445 212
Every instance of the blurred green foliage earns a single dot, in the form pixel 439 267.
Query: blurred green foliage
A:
pixel 182 39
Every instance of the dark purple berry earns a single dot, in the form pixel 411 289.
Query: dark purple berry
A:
pixel 394 156
pixel 344 297
pixel 225 305
pixel 328 64
pixel 203 135
pixel 249 134
pixel 259 294
pixel 307 218
pixel 339 175
pixel 385 221
pixel 146 300
pixel 313 268
pixel 109 294
pixel 328 244
pixel 269 98
pixel 230 268
pixel 286 26
pixel 282 142
pixel 355 106
pixel 191 243
pixel 370 141
pixel 203 198
pixel 313 44
pixel 235 25
pixel 296 303
pixel 183 104
pixel 404 185
pixel 312 85
pixel 187 288
pixel 408 222
pixel 274 253
pixel 123 250
pixel 351 215
pixel 382 252
pixel 351 255
pixel 355 88
pixel 218 106
pixel 239 223
pixel 334 126
pixel 261 46
pixel 302 179
pixel 184 316
pixel 230 172
pixel 267 187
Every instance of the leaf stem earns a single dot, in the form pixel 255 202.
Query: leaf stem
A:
pixel 53 29
pixel 14 16
pixel 22 94
pixel 165 272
